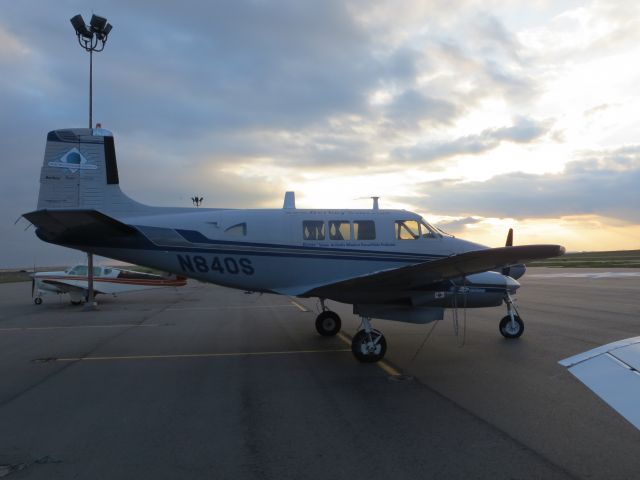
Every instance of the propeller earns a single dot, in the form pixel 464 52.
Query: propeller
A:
pixel 509 243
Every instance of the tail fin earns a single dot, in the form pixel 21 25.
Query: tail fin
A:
pixel 80 171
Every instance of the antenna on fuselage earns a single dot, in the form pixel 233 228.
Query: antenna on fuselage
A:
pixel 289 200
pixel 375 203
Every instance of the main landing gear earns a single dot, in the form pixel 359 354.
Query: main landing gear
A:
pixel 368 345
pixel 328 323
pixel 512 325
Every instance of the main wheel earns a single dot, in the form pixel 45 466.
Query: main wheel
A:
pixel 37 300
pixel 76 302
pixel 510 329
pixel 328 323
pixel 369 348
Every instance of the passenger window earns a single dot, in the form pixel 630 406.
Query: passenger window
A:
pixel 407 230
pixel 239 230
pixel 79 271
pixel 339 230
pixel 313 230
pixel 364 230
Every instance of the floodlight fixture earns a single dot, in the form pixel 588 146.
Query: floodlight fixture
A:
pixel 80 27
pixel 92 38
pixel 97 23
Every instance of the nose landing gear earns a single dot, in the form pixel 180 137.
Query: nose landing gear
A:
pixel 512 325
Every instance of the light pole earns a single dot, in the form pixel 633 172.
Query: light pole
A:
pixel 92 38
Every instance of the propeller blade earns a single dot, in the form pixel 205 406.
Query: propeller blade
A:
pixel 509 243
pixel 33 286
pixel 509 238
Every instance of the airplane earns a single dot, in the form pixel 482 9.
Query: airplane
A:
pixel 388 264
pixel 108 280
pixel 612 372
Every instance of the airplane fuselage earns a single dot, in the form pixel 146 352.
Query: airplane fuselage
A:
pixel 290 251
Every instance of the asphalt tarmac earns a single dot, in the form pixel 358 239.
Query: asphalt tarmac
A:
pixel 206 382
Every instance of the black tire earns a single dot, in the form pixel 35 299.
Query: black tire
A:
pixel 37 300
pixel 508 331
pixel 360 346
pixel 328 323
pixel 76 302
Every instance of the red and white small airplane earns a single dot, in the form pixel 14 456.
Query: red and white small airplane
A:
pixel 107 280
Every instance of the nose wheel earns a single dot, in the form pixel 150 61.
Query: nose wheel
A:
pixel 512 325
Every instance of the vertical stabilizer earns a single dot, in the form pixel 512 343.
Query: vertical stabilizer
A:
pixel 80 171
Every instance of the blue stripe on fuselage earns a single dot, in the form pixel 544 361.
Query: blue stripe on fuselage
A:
pixel 267 249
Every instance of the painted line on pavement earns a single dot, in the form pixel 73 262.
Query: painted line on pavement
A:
pixel 300 307
pixel 64 327
pixel 383 364
pixel 226 308
pixel 195 355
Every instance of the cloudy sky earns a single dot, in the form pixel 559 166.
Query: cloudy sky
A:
pixel 480 115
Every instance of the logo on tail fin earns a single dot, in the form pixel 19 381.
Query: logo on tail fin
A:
pixel 74 161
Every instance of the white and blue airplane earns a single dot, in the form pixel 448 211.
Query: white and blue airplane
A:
pixel 389 264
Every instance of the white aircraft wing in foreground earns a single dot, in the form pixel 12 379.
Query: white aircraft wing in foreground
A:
pixel 612 372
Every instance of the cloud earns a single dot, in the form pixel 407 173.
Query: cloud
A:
pixel 602 183
pixel 524 130
pixel 411 108
pixel 457 225
pixel 202 96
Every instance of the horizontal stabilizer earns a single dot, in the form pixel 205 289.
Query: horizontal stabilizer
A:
pixel 75 226
pixel 612 372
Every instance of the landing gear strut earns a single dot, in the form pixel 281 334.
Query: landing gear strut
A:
pixel 328 323
pixel 512 325
pixel 368 345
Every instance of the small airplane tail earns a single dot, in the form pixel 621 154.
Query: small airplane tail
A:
pixel 80 171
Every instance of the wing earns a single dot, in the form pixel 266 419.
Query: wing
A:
pixel 427 273
pixel 612 372
pixel 67 287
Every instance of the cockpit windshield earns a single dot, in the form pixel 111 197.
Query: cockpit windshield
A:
pixel 431 231
pixel 428 231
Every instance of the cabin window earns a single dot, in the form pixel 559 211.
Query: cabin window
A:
pixel 364 230
pixel 239 230
pixel 107 271
pixel 313 230
pixel 407 230
pixel 83 270
pixel 339 230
